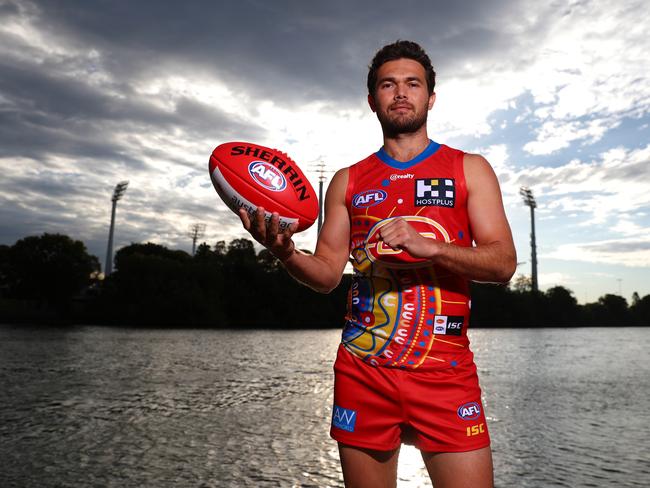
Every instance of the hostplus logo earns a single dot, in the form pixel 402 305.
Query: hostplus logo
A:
pixel 435 192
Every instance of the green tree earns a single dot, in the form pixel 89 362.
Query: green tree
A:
pixel 561 307
pixel 268 262
pixel 609 310
pixel 521 284
pixel 241 252
pixel 640 310
pixel 4 269
pixel 158 286
pixel 50 268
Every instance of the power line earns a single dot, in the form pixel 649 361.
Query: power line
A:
pixel 196 232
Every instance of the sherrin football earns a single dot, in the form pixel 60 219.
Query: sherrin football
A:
pixel 248 176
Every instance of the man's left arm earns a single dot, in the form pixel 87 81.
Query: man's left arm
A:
pixel 494 258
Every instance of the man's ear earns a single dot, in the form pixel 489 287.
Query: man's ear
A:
pixel 371 102
pixel 432 100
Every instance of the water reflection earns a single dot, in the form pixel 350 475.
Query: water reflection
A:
pixel 411 472
pixel 110 406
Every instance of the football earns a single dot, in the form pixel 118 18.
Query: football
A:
pixel 248 176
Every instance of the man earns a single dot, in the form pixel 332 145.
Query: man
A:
pixel 420 220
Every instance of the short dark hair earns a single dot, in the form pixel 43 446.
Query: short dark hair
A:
pixel 398 50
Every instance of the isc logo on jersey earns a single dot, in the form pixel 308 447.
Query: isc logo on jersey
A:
pixel 448 324
pixel 267 175
pixel 368 198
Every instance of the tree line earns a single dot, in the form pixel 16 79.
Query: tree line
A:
pixel 52 278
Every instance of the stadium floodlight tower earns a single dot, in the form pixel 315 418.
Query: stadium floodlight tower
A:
pixel 118 193
pixel 529 200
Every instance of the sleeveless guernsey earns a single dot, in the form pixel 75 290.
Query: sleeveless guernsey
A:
pixel 404 312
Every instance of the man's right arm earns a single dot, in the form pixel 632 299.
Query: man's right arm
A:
pixel 322 270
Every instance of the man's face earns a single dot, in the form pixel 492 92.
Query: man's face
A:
pixel 401 98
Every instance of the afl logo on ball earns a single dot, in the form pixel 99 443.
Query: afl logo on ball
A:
pixel 267 175
pixel 469 411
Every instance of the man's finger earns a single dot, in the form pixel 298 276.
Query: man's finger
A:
pixel 273 228
pixel 260 224
pixel 245 220
pixel 290 230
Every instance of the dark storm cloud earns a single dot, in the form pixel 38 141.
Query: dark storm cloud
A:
pixel 46 113
pixel 289 50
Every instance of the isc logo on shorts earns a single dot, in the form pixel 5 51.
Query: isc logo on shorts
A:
pixel 343 418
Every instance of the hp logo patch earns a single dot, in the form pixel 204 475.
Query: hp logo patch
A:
pixel 267 175
pixel 342 418
pixel 469 411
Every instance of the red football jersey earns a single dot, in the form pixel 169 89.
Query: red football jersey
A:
pixel 402 311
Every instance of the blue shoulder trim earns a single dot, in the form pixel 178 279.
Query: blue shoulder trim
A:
pixel 430 150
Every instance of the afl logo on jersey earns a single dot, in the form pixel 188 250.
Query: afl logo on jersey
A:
pixel 368 198
pixel 267 175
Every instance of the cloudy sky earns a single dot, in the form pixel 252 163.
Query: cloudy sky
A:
pixel 555 94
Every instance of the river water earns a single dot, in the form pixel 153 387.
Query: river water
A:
pixel 122 407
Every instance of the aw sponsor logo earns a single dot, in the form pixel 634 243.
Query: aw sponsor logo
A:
pixel 267 175
pixel 448 324
pixel 435 192
pixel 406 176
pixel 368 198
pixel 469 411
pixel 345 419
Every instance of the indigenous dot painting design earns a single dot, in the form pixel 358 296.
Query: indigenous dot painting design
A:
pixel 402 311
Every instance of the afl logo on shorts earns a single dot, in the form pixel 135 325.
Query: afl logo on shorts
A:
pixel 469 411
pixel 267 175
pixel 368 198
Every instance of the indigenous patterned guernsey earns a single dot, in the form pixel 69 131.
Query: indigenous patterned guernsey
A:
pixel 402 311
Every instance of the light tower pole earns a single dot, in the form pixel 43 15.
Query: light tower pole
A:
pixel 529 200
pixel 321 179
pixel 118 192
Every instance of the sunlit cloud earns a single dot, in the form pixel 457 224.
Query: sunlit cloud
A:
pixel 632 252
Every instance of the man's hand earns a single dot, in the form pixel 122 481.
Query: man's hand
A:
pixel 268 234
pixel 399 234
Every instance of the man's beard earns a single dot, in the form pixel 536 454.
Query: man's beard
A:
pixel 402 125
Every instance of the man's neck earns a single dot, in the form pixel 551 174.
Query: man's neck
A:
pixel 404 147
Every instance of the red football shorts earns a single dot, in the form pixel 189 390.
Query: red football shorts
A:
pixel 379 408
